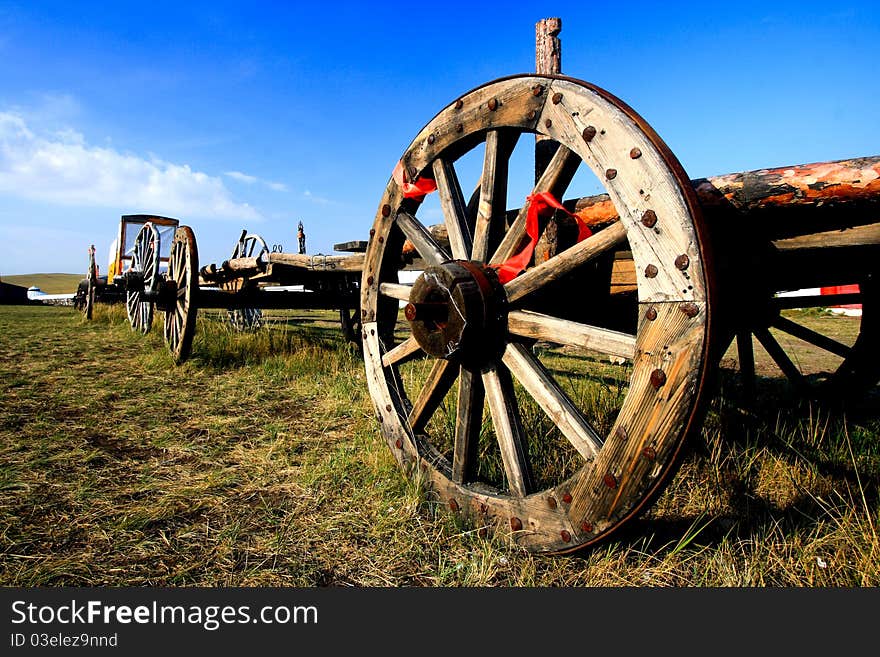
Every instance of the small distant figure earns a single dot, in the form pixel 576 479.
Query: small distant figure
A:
pixel 301 236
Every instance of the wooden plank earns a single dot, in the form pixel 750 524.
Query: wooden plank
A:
pixel 830 239
pixel 454 210
pixel 508 429
pixel 565 262
pixel 468 423
pixel 532 375
pixel 529 324
pixel 438 383
pixel 811 336
pixel 555 179
pixel 493 191
pixel 395 291
pixel 421 239
pixel 401 352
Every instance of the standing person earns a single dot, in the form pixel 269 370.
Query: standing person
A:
pixel 301 235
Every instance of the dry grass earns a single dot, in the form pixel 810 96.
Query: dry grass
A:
pixel 258 463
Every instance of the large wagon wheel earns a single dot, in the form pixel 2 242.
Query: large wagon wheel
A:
pixel 249 245
pixel 145 266
pixel 183 281
pixel 545 464
pixel 847 369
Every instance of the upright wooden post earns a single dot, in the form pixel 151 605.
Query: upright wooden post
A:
pixel 548 61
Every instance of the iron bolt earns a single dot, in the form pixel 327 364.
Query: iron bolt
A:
pixel 682 261
pixel 515 524
pixel 567 498
pixel 635 153
pixel 658 379
pixel 548 123
pixel 649 218
pixel 431 139
pixel 459 127
pixel 557 98
pixel 610 480
pixel 651 271
pixel 586 527
pixel 493 104
pixel 651 313
pixel 565 536
pixel 611 174
pixel 459 104
pixel 589 133
pixel 551 502
pixel 537 90
pixel 649 453
pixel 690 309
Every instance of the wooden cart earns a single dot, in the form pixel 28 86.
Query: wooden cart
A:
pixel 543 371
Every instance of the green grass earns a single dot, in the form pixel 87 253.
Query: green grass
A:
pixel 48 283
pixel 258 463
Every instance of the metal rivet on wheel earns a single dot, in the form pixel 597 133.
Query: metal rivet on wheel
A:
pixel 635 153
pixel 651 271
pixel 388 407
pixel 586 527
pixel 515 524
pixel 373 230
pixel 531 115
pixel 651 313
pixel 431 139
pixel 537 90
pixel 682 261
pixel 548 123
pixel 611 174
pixel 459 104
pixel 649 453
pixel 453 504
pixel 551 502
pixel 398 443
pixel 372 331
pixel 386 211
pixel 557 98
pixel 565 536
pixel 459 127
pixel 620 432
pixel 493 104
pixel 379 415
pixel 567 498
pixel 610 480
pixel 381 239
pixel 588 133
pixel 649 218
pixel 413 172
pixel 370 280
pixel 658 378
pixel 690 309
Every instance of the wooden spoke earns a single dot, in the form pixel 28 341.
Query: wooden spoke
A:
pixel 528 324
pixel 565 262
pixel 555 179
pixel 529 371
pixel 439 381
pixel 468 422
pixel 402 351
pixel 454 209
pixel 421 239
pixel 746 355
pixel 493 190
pixel 777 353
pixel 395 291
pixel 811 336
pixel 508 429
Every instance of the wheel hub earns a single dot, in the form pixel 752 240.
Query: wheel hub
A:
pixel 457 311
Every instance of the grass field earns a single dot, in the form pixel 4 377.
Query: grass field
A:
pixel 258 462
pixel 48 283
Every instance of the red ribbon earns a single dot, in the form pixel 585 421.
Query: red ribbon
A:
pixel 416 190
pixel 541 204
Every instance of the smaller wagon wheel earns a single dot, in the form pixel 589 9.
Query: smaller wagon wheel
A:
pixel 144 263
pixel 183 279
pixel 248 319
pixel 846 370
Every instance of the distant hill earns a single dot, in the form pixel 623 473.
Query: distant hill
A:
pixel 48 283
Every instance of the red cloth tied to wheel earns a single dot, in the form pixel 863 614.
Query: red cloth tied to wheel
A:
pixel 415 190
pixel 541 204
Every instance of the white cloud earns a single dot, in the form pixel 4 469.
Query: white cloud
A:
pixel 63 169
pixel 241 177
pixel 317 200
pixel 250 180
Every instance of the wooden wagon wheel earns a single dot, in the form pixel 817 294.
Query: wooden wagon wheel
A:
pixel 249 245
pixel 145 264
pixel 482 396
pixel 850 369
pixel 183 280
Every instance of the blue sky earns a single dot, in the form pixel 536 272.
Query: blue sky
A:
pixel 259 115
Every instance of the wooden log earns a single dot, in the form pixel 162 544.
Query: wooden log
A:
pixel 793 201
pixel 548 61
pixel 352 263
